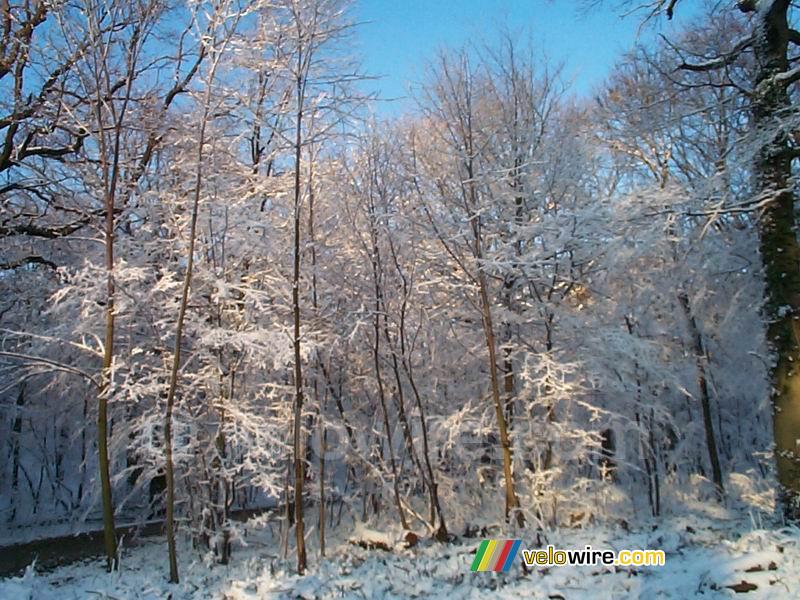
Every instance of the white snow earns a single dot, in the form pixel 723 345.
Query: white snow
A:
pixel 703 558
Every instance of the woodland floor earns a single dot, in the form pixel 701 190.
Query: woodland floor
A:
pixel 705 557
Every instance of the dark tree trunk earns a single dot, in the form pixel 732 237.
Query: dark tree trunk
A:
pixel 780 250
pixel 705 400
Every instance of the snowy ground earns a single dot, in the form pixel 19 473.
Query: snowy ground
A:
pixel 703 559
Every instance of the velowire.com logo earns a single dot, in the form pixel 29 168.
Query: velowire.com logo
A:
pixel 498 555
pixel 495 555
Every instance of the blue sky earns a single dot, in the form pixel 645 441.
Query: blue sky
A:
pixel 399 36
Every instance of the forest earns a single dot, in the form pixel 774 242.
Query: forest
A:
pixel 260 338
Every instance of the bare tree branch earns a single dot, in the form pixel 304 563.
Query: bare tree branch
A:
pixel 719 61
pixel 39 360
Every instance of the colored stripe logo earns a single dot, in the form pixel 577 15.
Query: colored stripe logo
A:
pixel 495 555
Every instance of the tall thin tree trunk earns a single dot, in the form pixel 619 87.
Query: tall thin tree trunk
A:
pixel 16 441
pixel 508 377
pixel 82 483
pixel 408 369
pixel 323 449
pixel 298 445
pixel 223 547
pixel 176 354
pixel 653 470
pixel 471 197
pixel 320 406
pixel 381 393
pixel 512 503
pixel 510 280
pixel 110 176
pixel 705 401
pixel 381 314
pixel 109 535
pixel 441 530
pixel 646 450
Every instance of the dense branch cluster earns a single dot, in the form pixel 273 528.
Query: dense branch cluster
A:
pixel 224 286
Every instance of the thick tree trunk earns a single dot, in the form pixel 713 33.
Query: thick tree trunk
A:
pixel 780 250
